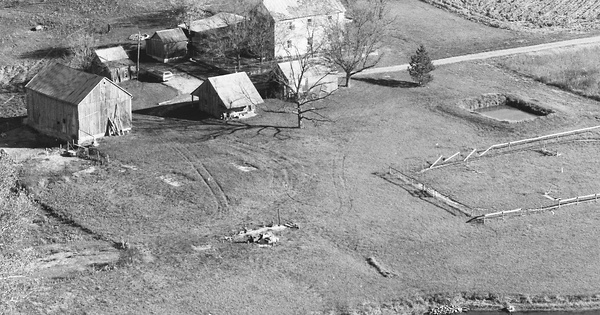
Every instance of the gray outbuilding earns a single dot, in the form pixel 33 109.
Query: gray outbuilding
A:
pixel 76 106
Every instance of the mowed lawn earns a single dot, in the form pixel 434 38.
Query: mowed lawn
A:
pixel 321 178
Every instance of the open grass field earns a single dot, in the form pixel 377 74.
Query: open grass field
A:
pixel 175 186
pixel 180 185
pixel 574 69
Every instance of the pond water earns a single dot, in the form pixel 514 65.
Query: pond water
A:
pixel 505 113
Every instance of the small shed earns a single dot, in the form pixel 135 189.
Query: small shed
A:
pixel 228 96
pixel 167 45
pixel 316 78
pixel 73 105
pixel 113 63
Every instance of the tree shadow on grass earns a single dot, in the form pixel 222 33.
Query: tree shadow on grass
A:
pixel 388 82
pixel 185 117
pixel 56 53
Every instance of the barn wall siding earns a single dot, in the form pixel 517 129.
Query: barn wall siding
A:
pixel 209 101
pixel 51 117
pixel 83 122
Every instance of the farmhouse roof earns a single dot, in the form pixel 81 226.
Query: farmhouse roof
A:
pixel 173 35
pixel 292 70
pixel 235 90
pixel 66 84
pixel 292 9
pixel 219 20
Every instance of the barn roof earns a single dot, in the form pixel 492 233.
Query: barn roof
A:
pixel 292 9
pixel 219 20
pixel 235 90
pixel 172 35
pixel 293 70
pixel 66 84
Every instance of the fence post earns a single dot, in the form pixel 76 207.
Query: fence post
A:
pixel 558 203
pixel 577 200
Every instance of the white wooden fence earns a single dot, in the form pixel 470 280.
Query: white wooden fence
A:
pixel 441 161
pixel 520 211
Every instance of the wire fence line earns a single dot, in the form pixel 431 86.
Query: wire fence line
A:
pixel 520 211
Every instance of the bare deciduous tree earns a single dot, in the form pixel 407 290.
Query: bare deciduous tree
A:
pixel 249 36
pixel 353 46
pixel 81 46
pixel 305 80
pixel 186 11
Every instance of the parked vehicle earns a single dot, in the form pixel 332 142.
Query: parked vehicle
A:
pixel 160 75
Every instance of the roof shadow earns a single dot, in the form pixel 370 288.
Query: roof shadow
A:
pixel 184 110
pixel 388 82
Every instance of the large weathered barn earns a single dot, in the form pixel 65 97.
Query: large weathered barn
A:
pixel 113 63
pixel 73 105
pixel 167 45
pixel 228 96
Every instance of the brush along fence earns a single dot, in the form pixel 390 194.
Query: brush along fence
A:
pixel 420 190
pixel 520 211
pixel 441 161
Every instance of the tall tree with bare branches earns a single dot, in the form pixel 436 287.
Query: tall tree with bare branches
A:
pixel 306 80
pixel 353 45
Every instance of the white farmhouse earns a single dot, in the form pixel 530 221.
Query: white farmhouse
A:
pixel 299 25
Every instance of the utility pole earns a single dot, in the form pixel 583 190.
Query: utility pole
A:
pixel 138 55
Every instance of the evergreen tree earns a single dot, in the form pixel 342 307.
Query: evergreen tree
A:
pixel 420 66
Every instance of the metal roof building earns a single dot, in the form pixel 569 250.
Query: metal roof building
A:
pixel 113 63
pixel 282 10
pixel 167 45
pixel 230 95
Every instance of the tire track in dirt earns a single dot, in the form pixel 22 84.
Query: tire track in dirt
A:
pixel 285 169
pixel 213 187
pixel 338 178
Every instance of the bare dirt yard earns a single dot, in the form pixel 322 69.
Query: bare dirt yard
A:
pixel 148 227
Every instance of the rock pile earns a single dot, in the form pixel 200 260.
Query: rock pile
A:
pixel 447 309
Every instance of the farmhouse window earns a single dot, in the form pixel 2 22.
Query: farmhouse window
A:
pixel 310 22
pixel 292 26
pixel 329 17
pixel 310 42
pixel 289 44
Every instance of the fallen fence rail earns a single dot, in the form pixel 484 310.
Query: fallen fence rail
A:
pixel 412 185
pixel 560 203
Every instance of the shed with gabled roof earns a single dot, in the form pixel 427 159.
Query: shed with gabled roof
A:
pixel 315 79
pixel 73 105
pixel 228 96
pixel 113 63
pixel 167 45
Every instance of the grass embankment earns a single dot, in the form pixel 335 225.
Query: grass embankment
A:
pixel 16 215
pixel 576 70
